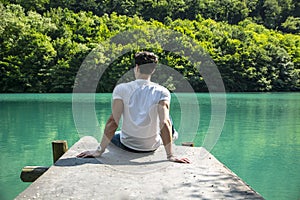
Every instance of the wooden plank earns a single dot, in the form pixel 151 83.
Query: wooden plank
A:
pixel 31 173
pixel 59 147
pixel 188 144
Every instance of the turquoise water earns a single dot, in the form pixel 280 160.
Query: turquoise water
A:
pixel 260 140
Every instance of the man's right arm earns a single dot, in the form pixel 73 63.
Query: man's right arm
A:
pixel 112 123
pixel 109 131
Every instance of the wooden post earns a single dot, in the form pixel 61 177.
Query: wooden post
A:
pixel 31 173
pixel 189 144
pixel 59 147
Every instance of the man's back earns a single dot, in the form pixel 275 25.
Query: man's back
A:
pixel 140 127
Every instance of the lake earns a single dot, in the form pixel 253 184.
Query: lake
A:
pixel 260 139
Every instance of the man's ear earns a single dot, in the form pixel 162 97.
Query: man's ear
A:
pixel 137 68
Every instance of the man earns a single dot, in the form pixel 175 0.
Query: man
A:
pixel 144 106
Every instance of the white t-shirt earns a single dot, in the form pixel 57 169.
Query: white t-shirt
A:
pixel 140 127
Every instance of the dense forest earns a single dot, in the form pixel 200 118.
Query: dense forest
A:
pixel 255 44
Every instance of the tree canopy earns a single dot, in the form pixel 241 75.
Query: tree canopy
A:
pixel 276 14
pixel 43 43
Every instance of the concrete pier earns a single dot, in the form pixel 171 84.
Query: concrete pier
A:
pixel 123 175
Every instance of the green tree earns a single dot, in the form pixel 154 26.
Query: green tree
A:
pixel 291 25
pixel 43 52
pixel 26 51
pixel 33 5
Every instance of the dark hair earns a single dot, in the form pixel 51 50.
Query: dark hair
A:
pixel 147 61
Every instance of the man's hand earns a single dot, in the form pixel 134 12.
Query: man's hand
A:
pixel 179 160
pixel 89 154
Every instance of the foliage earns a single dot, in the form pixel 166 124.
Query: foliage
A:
pixel 271 13
pixel 42 50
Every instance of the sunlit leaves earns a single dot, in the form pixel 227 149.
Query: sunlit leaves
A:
pixel 43 52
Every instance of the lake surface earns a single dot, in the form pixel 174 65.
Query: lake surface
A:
pixel 260 140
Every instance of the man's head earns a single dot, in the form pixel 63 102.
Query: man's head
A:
pixel 146 61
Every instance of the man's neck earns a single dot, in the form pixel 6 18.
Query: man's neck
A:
pixel 144 77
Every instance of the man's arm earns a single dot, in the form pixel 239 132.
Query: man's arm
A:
pixel 109 131
pixel 166 132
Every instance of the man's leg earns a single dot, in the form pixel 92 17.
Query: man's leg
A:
pixel 117 141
